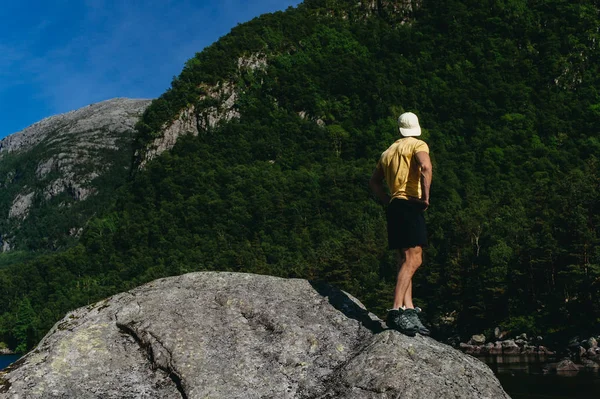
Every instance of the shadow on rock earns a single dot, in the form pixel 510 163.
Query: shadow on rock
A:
pixel 349 306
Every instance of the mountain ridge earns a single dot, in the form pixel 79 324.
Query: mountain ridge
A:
pixel 35 133
pixel 62 156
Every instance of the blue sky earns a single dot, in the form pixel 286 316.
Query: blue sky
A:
pixel 60 55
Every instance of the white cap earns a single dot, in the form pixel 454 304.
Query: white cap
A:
pixel 409 125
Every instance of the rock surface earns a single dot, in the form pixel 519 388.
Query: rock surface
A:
pixel 220 107
pixel 116 115
pixel 398 11
pixel 228 335
pixel 477 340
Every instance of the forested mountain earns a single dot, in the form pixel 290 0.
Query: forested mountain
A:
pixel 57 173
pixel 272 134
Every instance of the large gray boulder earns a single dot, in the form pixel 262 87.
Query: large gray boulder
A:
pixel 229 335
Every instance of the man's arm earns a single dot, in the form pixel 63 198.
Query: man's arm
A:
pixel 426 175
pixel 376 184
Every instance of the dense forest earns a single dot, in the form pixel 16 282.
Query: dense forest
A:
pixel 507 95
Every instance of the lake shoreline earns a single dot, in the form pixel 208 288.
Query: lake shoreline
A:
pixel 524 380
pixel 6 360
pixel 578 355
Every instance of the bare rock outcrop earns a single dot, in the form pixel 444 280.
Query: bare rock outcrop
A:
pixel 217 105
pixel 231 335
pixel 111 116
pixel 20 205
pixel 395 11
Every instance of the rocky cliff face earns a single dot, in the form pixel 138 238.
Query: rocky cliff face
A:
pixel 398 11
pixel 112 117
pixel 227 335
pixel 58 161
pixel 215 106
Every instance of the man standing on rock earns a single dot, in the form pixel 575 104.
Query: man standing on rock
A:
pixel 406 168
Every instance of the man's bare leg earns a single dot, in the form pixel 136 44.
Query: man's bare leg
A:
pixel 408 302
pixel 413 258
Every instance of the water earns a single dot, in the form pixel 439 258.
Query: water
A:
pixel 522 377
pixel 5 360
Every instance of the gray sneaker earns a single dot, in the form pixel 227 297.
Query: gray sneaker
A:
pixel 399 320
pixel 413 315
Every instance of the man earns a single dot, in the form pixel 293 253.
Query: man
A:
pixel 406 168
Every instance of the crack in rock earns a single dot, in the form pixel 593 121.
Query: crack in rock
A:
pixel 148 346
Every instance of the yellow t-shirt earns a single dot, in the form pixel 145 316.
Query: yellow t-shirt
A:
pixel 401 169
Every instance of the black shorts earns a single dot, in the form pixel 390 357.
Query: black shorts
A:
pixel 405 225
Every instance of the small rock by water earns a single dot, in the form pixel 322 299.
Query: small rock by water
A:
pixel 477 340
pixel 564 366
